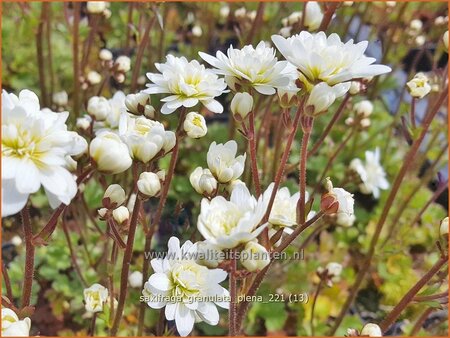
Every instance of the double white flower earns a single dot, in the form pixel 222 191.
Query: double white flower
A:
pixel 12 326
pixel 188 291
pixel 36 150
pixel 256 67
pixel 328 59
pixel 95 297
pixel 188 83
pixel 372 174
pixel 230 223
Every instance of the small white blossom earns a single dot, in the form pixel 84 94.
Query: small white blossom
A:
pixel 12 326
pixel 94 78
pixel 135 279
pixel 109 153
pixel 254 256
pixel 149 184
pixel 105 55
pixel 419 86
pixel 241 104
pixel 364 108
pixel 203 181
pixel 416 25
pixel 371 330
pixel 96 7
pixel 188 83
pixel 123 63
pixel 195 125
pixel 223 163
pixel 95 297
pixel 343 197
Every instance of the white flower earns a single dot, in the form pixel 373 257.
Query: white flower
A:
pixel 254 256
pixel 135 279
pixel 195 125
pixel 416 25
pixel 60 98
pixel 188 83
pixel 188 291
pixel 12 326
pixel 371 172
pixel 139 104
pixel 94 78
pixel 334 269
pixel 96 7
pixel 149 184
pixel 197 31
pixel 294 18
pixel 230 223
pixel 209 254
pixel 117 109
pixel 322 96
pixel 343 197
pixel 364 108
pixel 121 214
pixel 145 138
pixel 355 87
pixel 94 297
pixel 420 40
pixel 345 220
pixel 102 212
pixel 113 196
pixel 224 11
pixel 328 59
pixel 241 104
pixel 99 107
pixel 105 55
pixel 313 15
pixel 109 153
pixel 223 163
pixel 257 67
pixel 203 181
pixel 370 329
pixel 445 39
pixel 443 229
pixel 240 13
pixel 123 63
pixel 35 144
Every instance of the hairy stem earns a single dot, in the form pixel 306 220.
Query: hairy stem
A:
pixel 233 293
pixel 29 257
pixel 253 157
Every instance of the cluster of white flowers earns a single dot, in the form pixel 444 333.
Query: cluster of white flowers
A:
pixel 36 142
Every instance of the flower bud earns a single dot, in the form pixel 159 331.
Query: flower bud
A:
pixel 96 7
pixel 169 141
pixel 445 40
pixel 84 122
pixel 60 98
pixel 102 213
pixel 364 108
pixel 94 297
pixel 322 96
pixel 418 87
pixel 114 196
pixel 209 255
pixel 123 63
pixel 197 31
pixel 287 97
pixel 137 103
pixel 121 215
pixel 149 184
pixel 135 279
pixel 355 87
pixel 203 181
pixel 99 108
pixel 254 257
pixel 195 125
pixel 371 330
pixel 109 153
pixel 224 11
pixel 94 78
pixel 105 55
pixel 241 105
pixel 443 230
pixel 415 25
pixel 365 123
pixel 162 175
pixel 334 269
pixel 119 77
pixel 343 198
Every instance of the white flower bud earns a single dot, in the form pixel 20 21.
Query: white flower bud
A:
pixel 109 153
pixel 295 17
pixel 96 7
pixel 123 63
pixel 119 77
pixel 197 31
pixel 105 55
pixel 224 11
pixel 136 103
pixel 419 87
pixel 343 197
pixel 209 255
pixel 322 96
pixel 285 31
pixel 313 15
pixel 102 212
pixel 114 196
pixel 371 330
pixel 240 13
pixel 195 125
pixel 334 269
pixel 365 123
pixel 348 3
pixel 445 39
pixel 162 175
pixel 60 98
pixel 391 3
pixel 149 184
pixel 420 40
pixel 364 108
pixel 355 87
pixel 416 25
pixel 84 122
pixel 94 78
pixel 254 257
pixel 94 297
pixel 16 240
pixel 99 108
pixel 203 181
pixel 242 104
pixel 121 215
pixel 135 279
pixel 443 230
